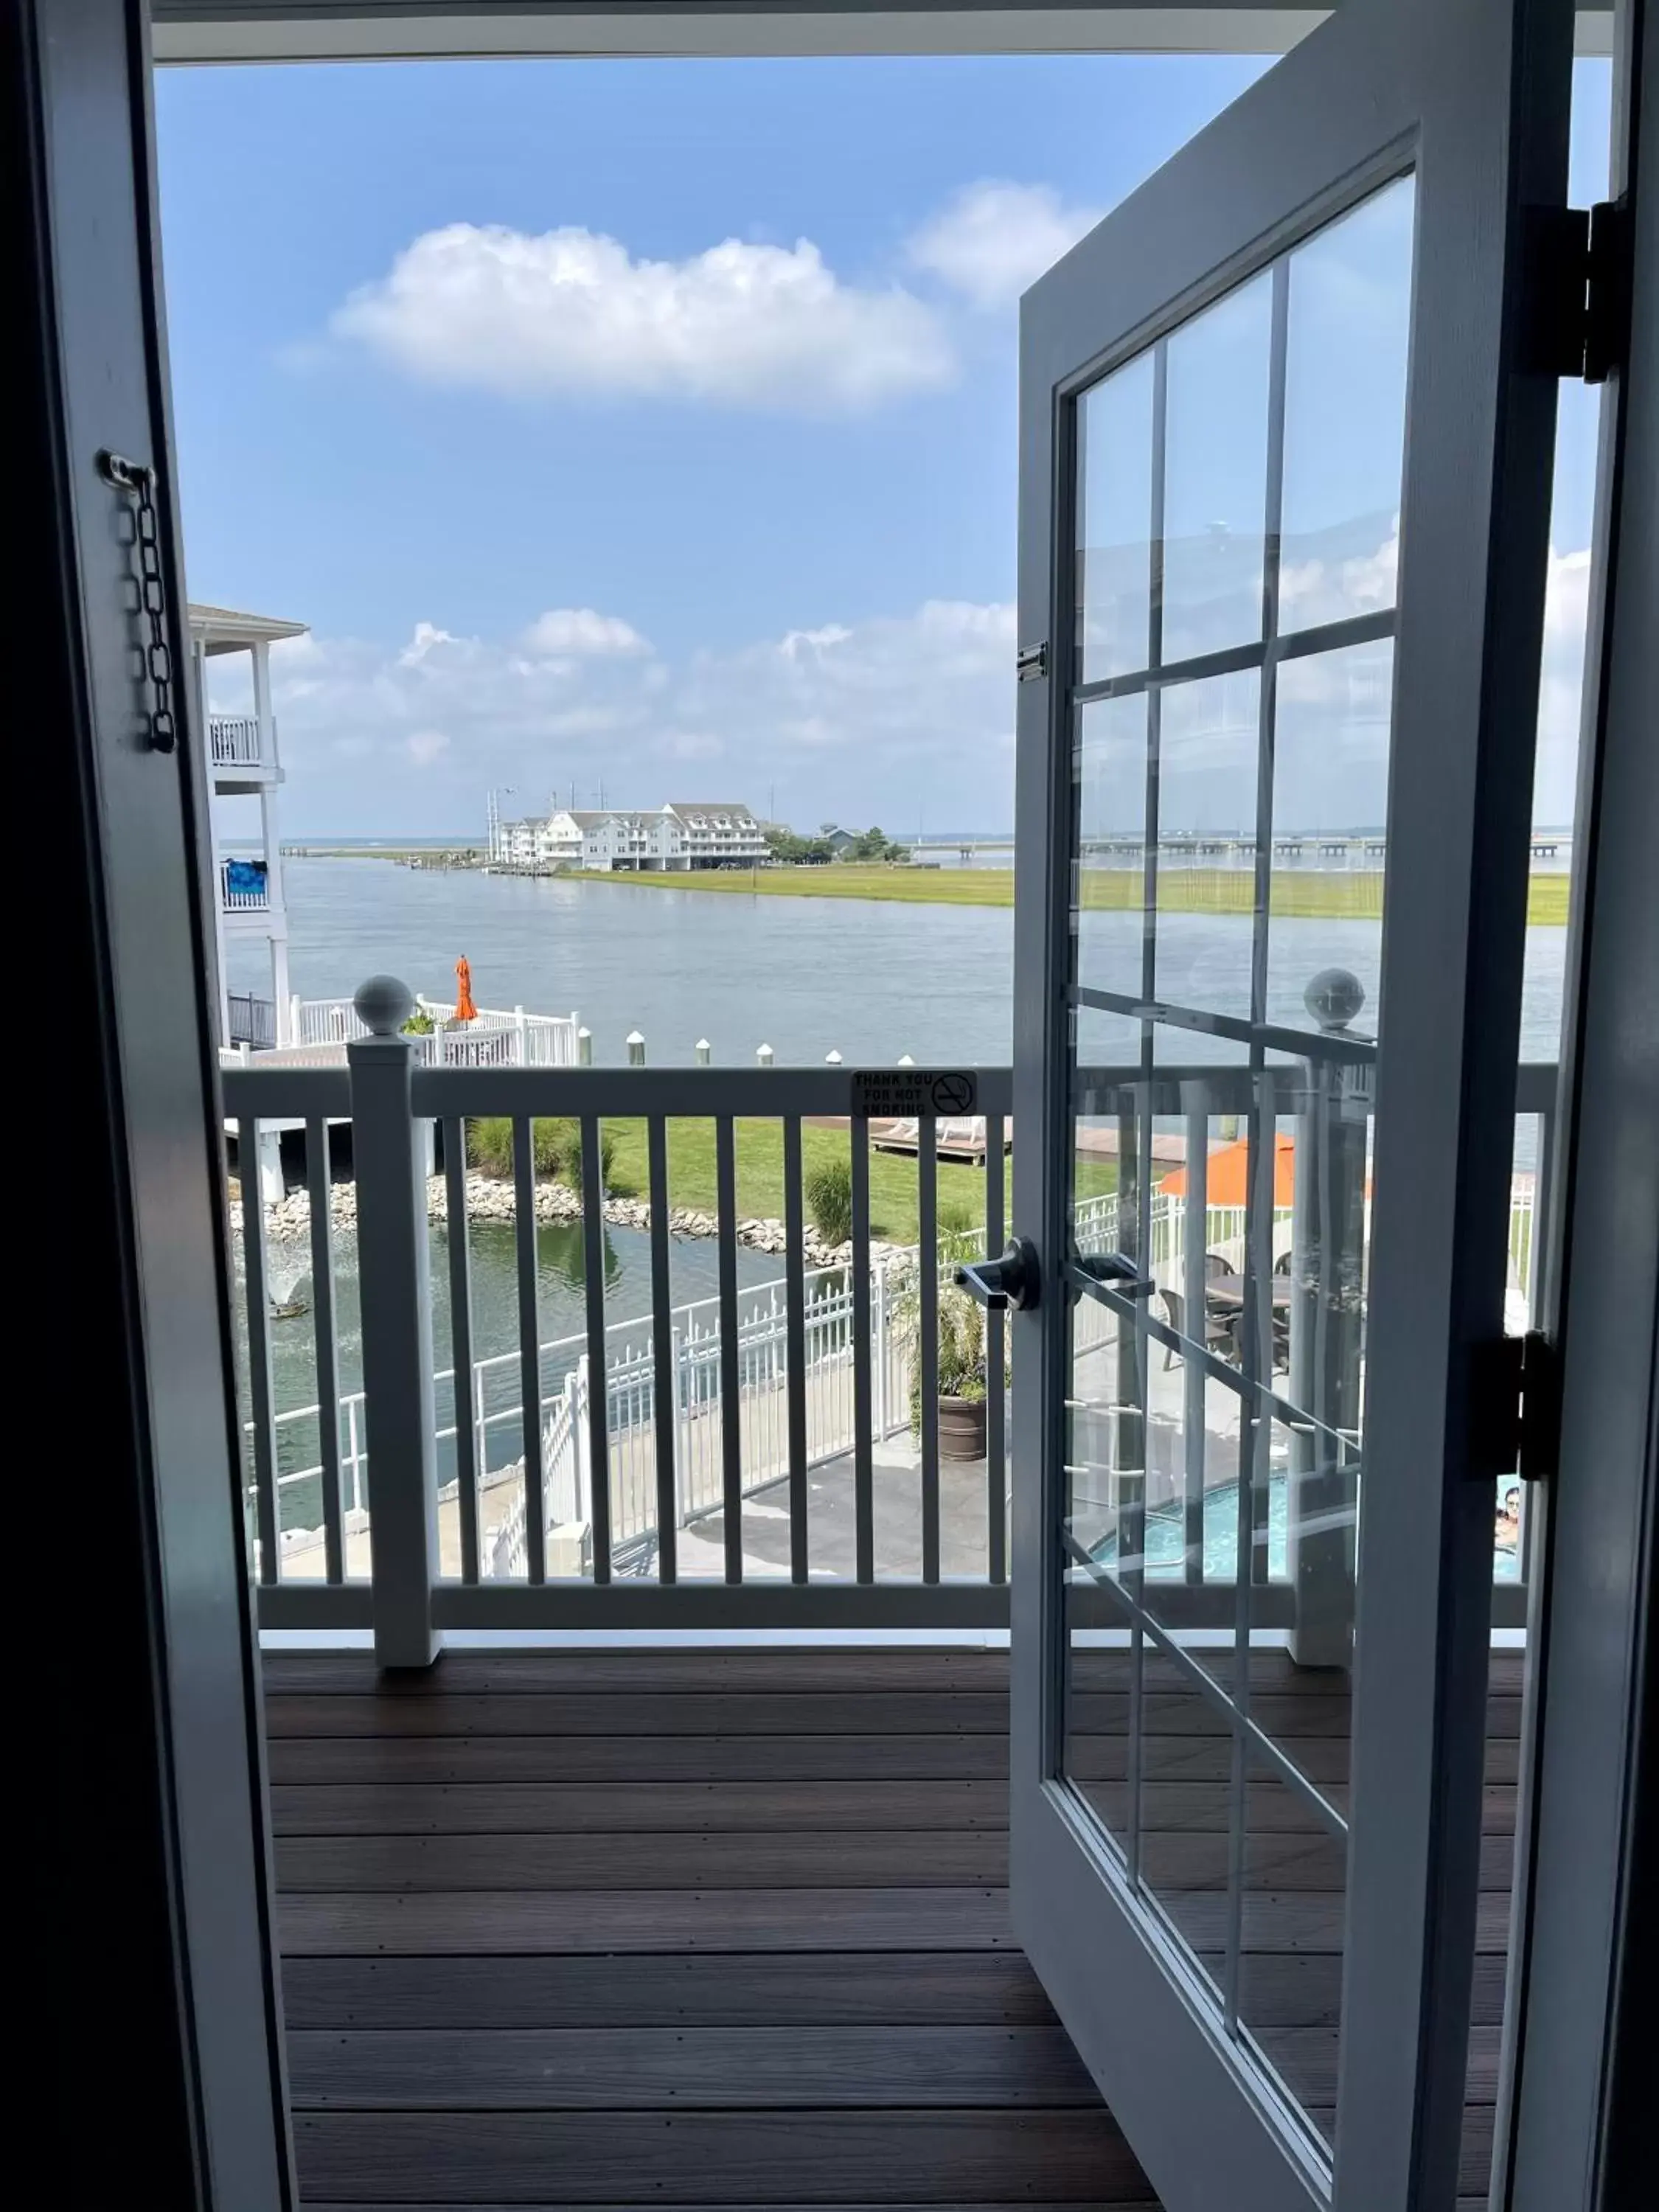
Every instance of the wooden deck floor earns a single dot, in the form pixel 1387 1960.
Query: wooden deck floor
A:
pixel 711 1928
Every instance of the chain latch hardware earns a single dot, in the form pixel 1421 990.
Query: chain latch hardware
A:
pixel 137 482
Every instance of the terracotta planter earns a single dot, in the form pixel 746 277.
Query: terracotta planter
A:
pixel 961 1428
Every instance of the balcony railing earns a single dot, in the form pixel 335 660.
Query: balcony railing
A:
pixel 234 741
pixel 768 1454
pixel 252 1021
pixel 244 887
pixel 497 1037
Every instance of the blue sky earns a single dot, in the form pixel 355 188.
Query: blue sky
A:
pixel 745 522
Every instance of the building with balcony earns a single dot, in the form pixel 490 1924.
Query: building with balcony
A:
pixel 243 762
pixel 683 834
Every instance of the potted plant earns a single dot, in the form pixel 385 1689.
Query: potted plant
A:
pixel 963 1372
pixel 962 1376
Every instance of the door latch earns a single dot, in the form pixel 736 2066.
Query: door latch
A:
pixel 1116 1268
pixel 1010 1280
pixel 1031 661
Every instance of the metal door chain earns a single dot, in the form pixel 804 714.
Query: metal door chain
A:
pixel 137 482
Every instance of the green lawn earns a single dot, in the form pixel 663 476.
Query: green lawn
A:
pixel 1333 894
pixel 691 1177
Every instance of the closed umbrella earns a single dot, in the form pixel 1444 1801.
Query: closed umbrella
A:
pixel 464 1009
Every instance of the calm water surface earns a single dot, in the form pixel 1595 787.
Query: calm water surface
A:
pixel 869 979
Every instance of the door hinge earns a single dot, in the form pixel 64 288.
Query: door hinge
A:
pixel 1031 661
pixel 1517 1386
pixel 1576 317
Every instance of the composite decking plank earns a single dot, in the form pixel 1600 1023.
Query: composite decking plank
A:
pixel 773 1669
pixel 516 1921
pixel 720 1990
pixel 715 2158
pixel 1306 2059
pixel 722 1860
pixel 701 2068
pixel 637 1758
pixel 1023 2204
pixel 301 1760
pixel 552 1809
pixel 749 1712
pixel 1170 1860
pixel 817 1667
pixel 613 1713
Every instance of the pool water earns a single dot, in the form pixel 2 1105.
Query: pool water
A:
pixel 1166 1543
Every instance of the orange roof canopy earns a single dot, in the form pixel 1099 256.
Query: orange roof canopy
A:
pixel 1229 1169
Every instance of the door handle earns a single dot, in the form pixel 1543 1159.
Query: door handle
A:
pixel 1010 1280
pixel 1118 1269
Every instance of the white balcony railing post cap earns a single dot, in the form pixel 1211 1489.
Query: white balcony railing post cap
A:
pixel 383 1004
pixel 1333 997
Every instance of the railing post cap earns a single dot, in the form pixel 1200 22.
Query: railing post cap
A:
pixel 584 1031
pixel 1333 997
pixel 905 1060
pixel 703 1045
pixel 635 1037
pixel 383 1004
pixel 832 1060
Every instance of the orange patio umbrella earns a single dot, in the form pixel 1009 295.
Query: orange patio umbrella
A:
pixel 1229 1169
pixel 464 1009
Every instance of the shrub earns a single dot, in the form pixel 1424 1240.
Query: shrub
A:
pixel 420 1024
pixel 827 1188
pixel 489 1145
pixel 568 1141
pixel 554 1148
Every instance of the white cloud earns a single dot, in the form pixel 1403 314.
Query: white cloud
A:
pixel 579 632
pixel 881 718
pixel 994 238
pixel 571 312
pixel 1321 590
pixel 427 638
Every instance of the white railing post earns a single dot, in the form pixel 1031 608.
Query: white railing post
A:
pixel 635 1049
pixel 763 1055
pixel 522 1027
pixel 583 1048
pixel 397 1329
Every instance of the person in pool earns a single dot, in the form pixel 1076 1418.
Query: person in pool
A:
pixel 1507 1534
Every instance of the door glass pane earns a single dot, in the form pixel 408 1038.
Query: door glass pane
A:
pixel 1215 475
pixel 1330 798
pixel 1222 1134
pixel 1108 893
pixel 1115 522
pixel 1344 413
pixel 1209 737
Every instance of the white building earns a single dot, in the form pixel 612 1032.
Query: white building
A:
pixel 680 834
pixel 243 762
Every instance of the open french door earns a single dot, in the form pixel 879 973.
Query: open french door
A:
pixel 1285 431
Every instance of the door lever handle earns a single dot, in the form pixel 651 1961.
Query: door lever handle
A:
pixel 1116 1268
pixel 1010 1280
